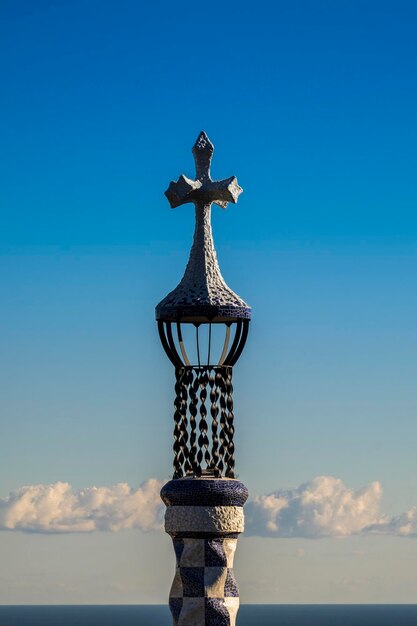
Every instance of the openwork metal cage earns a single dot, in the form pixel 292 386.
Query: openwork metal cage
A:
pixel 203 416
pixel 235 337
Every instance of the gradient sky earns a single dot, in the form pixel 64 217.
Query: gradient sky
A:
pixel 312 104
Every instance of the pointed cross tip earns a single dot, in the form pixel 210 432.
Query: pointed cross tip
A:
pixel 203 143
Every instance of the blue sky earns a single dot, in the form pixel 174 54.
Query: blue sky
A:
pixel 312 105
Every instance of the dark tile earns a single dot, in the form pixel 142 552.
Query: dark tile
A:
pixel 175 605
pixel 216 612
pixel 230 587
pixel 192 581
pixel 214 553
pixel 178 547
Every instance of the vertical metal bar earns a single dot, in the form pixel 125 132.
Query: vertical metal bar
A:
pixel 198 347
pixel 173 356
pixel 181 344
pixel 225 345
pixel 209 346
pixel 235 343
pixel 241 345
pixel 172 343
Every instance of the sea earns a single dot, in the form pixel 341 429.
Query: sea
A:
pixel 249 615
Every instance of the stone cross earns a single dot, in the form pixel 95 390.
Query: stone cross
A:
pixel 203 191
pixel 202 292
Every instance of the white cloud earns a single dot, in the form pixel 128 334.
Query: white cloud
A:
pixel 57 508
pixel 404 525
pixel 323 507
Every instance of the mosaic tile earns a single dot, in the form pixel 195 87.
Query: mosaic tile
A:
pixel 230 587
pixel 215 553
pixel 177 589
pixel 193 612
pixel 175 605
pixel 178 548
pixel 214 581
pixel 229 547
pixel 193 554
pixel 216 613
pixel 192 581
pixel 232 605
pixel 204 492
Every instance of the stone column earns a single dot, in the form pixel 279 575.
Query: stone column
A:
pixel 204 517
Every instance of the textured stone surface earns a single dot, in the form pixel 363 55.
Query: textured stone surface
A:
pixel 203 293
pixel 204 611
pixel 205 519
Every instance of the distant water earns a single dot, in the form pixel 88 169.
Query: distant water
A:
pixel 249 615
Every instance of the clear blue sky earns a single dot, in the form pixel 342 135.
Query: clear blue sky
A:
pixel 313 106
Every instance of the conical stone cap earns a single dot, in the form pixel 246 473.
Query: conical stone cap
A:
pixel 203 295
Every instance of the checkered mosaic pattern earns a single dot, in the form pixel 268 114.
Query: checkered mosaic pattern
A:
pixel 204 591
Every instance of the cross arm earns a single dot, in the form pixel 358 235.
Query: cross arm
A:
pixel 185 190
pixel 203 190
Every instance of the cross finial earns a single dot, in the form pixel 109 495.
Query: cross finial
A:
pixel 203 152
pixel 203 190
pixel 202 295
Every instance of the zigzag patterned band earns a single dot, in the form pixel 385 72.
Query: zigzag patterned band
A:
pixel 204 590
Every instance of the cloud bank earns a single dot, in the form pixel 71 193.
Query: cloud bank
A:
pixel 404 525
pixel 323 507
pixel 57 508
